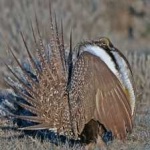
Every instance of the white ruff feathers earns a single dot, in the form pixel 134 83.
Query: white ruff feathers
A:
pixel 103 55
pixel 123 74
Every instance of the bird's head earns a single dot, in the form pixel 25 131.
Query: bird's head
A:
pixel 104 43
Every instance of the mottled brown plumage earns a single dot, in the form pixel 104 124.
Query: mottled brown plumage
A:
pixel 81 99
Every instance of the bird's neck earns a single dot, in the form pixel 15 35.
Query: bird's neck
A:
pixel 105 56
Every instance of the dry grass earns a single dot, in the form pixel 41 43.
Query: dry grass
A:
pixel 88 19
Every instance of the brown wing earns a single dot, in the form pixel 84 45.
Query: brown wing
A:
pixel 96 93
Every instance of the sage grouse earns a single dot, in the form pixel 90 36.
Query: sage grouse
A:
pixel 82 94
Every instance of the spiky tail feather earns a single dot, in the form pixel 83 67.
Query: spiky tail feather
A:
pixel 44 87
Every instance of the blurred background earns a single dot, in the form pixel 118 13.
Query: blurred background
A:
pixel 125 22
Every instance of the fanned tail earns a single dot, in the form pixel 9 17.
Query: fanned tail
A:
pixel 44 88
pixel 69 60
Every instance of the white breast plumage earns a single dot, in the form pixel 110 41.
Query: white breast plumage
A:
pixel 103 55
pixel 123 74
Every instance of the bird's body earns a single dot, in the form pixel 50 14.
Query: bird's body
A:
pixel 118 64
pixel 103 81
pixel 81 99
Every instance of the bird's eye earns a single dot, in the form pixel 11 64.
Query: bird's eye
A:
pixel 104 41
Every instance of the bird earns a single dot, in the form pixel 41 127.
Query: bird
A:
pixel 82 93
